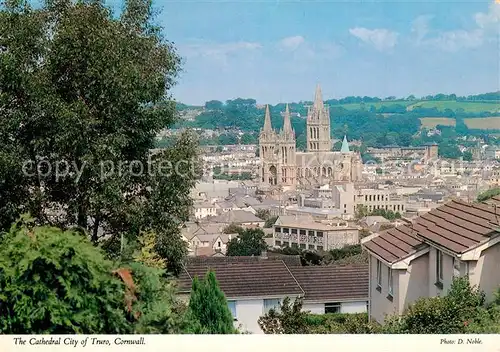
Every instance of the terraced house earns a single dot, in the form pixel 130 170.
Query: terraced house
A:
pixel 421 259
pixel 254 285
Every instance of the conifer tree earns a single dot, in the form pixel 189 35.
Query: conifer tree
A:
pixel 208 306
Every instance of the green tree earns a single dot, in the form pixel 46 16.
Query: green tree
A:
pixel 56 282
pixel 450 314
pixel 288 319
pixel 264 214
pixel 270 221
pixel 488 194
pixel 232 228
pixel 249 242
pixel 94 92
pixel 209 308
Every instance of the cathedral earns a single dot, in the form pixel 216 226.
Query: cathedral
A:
pixel 282 165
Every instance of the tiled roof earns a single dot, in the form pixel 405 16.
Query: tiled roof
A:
pixel 258 279
pixel 237 217
pixel 333 283
pixel 394 244
pixel 289 260
pixel 458 226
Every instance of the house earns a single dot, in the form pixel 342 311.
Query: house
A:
pixel 204 209
pixel 200 236
pixel 334 289
pixel 238 217
pixel 421 259
pixel 254 285
pixel 303 232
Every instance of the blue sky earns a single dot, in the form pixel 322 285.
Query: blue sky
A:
pixel 276 51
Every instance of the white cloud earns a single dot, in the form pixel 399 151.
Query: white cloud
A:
pixel 381 39
pixel 218 52
pixel 486 29
pixel 489 20
pixel 292 43
pixel 420 27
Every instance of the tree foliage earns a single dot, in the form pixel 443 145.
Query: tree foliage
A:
pixel 208 307
pixel 452 314
pixel 57 282
pixel 249 242
pixel 288 319
pixel 83 95
pixel 488 194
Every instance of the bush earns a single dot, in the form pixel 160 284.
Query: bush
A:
pixel 450 314
pixel 57 282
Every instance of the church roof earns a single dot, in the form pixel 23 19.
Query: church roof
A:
pixel 345 146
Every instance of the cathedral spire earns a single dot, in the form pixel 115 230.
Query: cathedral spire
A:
pixel 345 146
pixel 287 126
pixel 318 98
pixel 267 120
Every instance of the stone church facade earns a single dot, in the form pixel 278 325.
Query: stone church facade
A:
pixel 281 163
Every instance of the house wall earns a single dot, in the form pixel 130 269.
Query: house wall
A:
pixel 345 307
pixel 354 307
pixel 413 282
pixel 380 304
pixel 248 313
pixel 486 271
pixel 342 238
pixel 447 273
pixel 314 308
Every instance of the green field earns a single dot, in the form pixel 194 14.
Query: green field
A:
pixel 440 105
pixel 484 123
pixel 432 122
pixel 377 105
pixel 455 105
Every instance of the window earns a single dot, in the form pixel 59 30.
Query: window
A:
pixel 278 243
pixel 271 304
pixel 319 233
pixel 277 229
pixel 286 244
pixel 232 308
pixel 295 245
pixel 332 308
pixel 310 233
pixel 311 246
pixel 218 244
pixel 302 232
pixel 294 231
pixel 303 246
pixel 285 230
pixel 390 282
pixel 320 248
pixel 439 266
pixel 379 274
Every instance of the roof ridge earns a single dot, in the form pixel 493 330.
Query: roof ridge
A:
pixel 293 276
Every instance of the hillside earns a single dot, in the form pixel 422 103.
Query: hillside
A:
pixel 372 121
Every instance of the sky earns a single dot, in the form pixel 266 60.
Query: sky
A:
pixel 277 51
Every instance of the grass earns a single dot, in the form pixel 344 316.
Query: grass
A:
pixel 484 123
pixel 467 106
pixel 377 105
pixel 455 105
pixel 432 122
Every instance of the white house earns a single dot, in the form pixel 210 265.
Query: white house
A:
pixel 421 259
pixel 254 285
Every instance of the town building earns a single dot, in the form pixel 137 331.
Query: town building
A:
pixel 281 163
pixel 254 285
pixel 305 233
pixel 421 259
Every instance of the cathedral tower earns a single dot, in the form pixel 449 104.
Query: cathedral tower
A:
pixel 318 125
pixel 269 172
pixel 287 151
